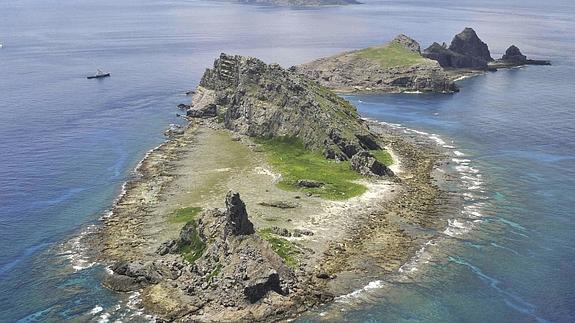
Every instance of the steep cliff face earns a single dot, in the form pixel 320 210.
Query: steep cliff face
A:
pixel 394 67
pixel 466 51
pixel 261 100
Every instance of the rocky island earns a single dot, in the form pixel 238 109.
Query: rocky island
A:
pixel 401 66
pixel 275 198
pixel 397 66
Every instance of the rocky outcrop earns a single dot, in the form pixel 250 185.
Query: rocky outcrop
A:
pixel 261 100
pixel 237 222
pixel 513 54
pixel 367 165
pixel 467 50
pixel 217 262
pixel 378 69
pixel 514 57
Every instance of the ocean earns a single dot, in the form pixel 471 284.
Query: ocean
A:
pixel 67 144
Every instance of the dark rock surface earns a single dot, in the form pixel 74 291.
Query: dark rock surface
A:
pixel 308 183
pixel 466 51
pixel 238 222
pixel 514 54
pixel 368 165
pixel 208 111
pixel 514 57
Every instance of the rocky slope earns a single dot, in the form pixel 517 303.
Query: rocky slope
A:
pixel 224 265
pixel 397 66
pixel 255 99
pixel 465 51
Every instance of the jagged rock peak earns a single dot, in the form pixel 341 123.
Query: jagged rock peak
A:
pixel 469 44
pixel 237 216
pixel 408 43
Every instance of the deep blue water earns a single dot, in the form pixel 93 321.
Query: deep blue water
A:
pixel 67 144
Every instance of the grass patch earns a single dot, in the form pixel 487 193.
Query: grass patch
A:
pixel 295 162
pixel 383 156
pixel 391 55
pixel 283 247
pixel 194 250
pixel 185 215
pixel 214 273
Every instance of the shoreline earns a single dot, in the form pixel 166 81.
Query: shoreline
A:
pixel 161 160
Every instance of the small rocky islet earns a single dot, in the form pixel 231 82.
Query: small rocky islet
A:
pixel 297 247
pixel 401 65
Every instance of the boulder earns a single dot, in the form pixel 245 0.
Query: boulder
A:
pixel 170 246
pixel 308 183
pixel 208 111
pixel 513 54
pixel 367 165
pixel 280 231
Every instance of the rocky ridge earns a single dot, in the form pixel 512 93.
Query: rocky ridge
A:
pixel 259 100
pixel 374 69
pixel 224 264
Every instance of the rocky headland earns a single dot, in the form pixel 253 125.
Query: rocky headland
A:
pixel 321 190
pixel 397 66
pixel 401 66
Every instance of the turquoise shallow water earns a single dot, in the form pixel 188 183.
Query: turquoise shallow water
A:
pixel 68 144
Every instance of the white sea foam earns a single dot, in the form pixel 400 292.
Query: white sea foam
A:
pixel 458 153
pixel 74 250
pixel 355 294
pixel 97 309
pixel 421 256
pixel 457 227
pixel 437 139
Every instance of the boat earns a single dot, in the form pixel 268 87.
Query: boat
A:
pixel 98 75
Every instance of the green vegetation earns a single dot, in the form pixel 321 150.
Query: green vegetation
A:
pixel 194 250
pixel 383 156
pixel 295 162
pixel 185 215
pixel 392 55
pixel 214 273
pixel 283 247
